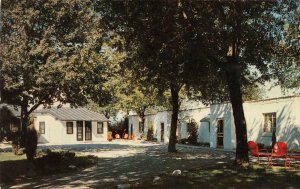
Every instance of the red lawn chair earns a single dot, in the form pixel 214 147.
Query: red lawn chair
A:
pixel 279 151
pixel 256 152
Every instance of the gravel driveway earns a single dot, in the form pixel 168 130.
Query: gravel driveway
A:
pixel 128 162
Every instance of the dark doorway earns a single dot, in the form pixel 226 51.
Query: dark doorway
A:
pixel 88 130
pixel 162 132
pixel 79 125
pixel 131 129
pixel 220 133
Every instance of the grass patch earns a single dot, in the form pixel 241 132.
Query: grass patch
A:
pixel 230 177
pixel 9 156
pixel 46 164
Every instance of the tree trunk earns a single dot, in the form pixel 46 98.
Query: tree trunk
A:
pixel 234 85
pixel 143 124
pixel 24 123
pixel 175 110
pixel 29 135
pixel 31 140
pixel 141 113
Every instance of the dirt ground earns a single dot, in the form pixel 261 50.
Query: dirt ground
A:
pixel 129 163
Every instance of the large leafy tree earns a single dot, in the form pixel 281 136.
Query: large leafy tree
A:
pixel 161 52
pixel 176 43
pixel 52 51
pixel 241 39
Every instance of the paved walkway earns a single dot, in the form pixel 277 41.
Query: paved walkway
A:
pixel 129 162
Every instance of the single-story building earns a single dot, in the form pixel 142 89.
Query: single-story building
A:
pixel 70 125
pixel 161 124
pixel 270 119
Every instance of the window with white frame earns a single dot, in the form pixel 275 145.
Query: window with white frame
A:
pixel 99 127
pixel 42 127
pixel 69 127
pixel 269 122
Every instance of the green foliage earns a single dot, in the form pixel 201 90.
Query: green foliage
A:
pixel 58 54
pixel 150 131
pixel 119 127
pixel 56 158
pixel 185 44
pixel 55 51
pixel 109 110
pixel 287 67
pixel 183 141
pixel 53 158
pixel 192 129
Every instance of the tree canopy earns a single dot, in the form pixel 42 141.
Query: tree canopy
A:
pixel 54 51
pixel 217 50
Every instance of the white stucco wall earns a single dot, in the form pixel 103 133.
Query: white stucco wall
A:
pixel 287 122
pixel 204 132
pixel 165 118
pixel 134 120
pixel 222 111
pixel 196 114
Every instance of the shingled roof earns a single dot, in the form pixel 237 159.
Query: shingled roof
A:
pixel 73 114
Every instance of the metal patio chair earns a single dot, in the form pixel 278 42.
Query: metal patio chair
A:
pixel 259 153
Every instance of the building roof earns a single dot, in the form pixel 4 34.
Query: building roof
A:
pixel 15 110
pixel 74 114
pixel 263 100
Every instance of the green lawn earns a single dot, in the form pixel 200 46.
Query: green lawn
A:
pixel 9 156
pixel 16 168
pixel 230 177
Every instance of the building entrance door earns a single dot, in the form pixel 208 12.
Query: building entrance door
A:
pixel 162 132
pixel 220 133
pixel 79 125
pixel 88 130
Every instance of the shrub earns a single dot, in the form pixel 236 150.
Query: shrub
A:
pixel 52 158
pixel 56 158
pixel 204 144
pixel 150 132
pixel 183 141
pixel 192 129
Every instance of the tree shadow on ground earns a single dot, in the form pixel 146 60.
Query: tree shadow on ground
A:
pixel 225 176
pixel 139 169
